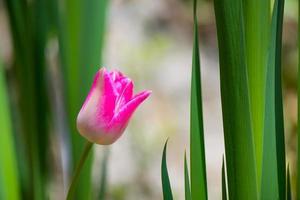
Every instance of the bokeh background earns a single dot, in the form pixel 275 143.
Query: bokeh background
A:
pixel 151 42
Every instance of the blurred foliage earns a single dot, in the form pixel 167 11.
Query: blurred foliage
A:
pixel 79 27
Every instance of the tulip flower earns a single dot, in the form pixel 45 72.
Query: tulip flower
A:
pixel 108 107
pixel 105 113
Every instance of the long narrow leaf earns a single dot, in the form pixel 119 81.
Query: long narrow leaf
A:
pixel 273 183
pixel 8 165
pixel 28 23
pixel 280 141
pixel 81 31
pixel 288 187
pixel 187 189
pixel 298 105
pixel 257 23
pixel 240 158
pixel 224 187
pixel 167 191
pixel 197 148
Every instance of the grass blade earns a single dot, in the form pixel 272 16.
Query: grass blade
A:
pixel 298 105
pixel 257 23
pixel 280 139
pixel 197 148
pixel 92 39
pixel 288 187
pixel 28 26
pixel 224 187
pixel 187 189
pixel 8 164
pixel 80 51
pixel 167 191
pixel 273 183
pixel 240 157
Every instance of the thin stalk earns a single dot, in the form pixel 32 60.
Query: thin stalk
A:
pixel 79 166
pixel 298 105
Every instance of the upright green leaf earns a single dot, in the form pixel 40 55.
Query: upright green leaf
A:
pixel 187 189
pixel 167 190
pixel 81 32
pixel 8 165
pixel 280 141
pixel 239 148
pixel 197 148
pixel 288 187
pixel 273 183
pixel 224 187
pixel 28 24
pixel 298 105
pixel 257 23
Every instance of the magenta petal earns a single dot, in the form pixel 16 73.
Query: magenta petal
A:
pixel 121 84
pixel 127 91
pixel 107 99
pixel 116 75
pixel 121 118
pixel 125 96
pixel 98 75
pixel 108 107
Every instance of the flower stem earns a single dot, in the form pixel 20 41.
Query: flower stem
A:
pixel 79 166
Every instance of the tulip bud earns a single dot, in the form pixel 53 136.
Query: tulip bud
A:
pixel 108 107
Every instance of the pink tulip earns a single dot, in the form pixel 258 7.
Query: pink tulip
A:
pixel 108 107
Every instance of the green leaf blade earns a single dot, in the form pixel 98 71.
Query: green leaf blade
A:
pixel 9 180
pixel 167 191
pixel 239 144
pixel 197 147
pixel 273 183
pixel 29 25
pixel 187 188
pixel 298 117
pixel 257 23
pixel 288 187
pixel 81 45
pixel 224 186
pixel 280 139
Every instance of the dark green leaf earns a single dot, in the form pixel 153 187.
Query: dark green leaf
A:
pixel 273 183
pixel 81 28
pixel 187 189
pixel 239 145
pixel 288 187
pixel 167 191
pixel 257 25
pixel 298 121
pixel 28 24
pixel 224 187
pixel 8 164
pixel 280 141
pixel 197 148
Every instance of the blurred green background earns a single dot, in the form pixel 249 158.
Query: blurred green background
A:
pixel 50 50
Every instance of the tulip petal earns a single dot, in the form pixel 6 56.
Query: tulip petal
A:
pixel 107 99
pixel 108 107
pixel 121 85
pixel 127 91
pixel 116 75
pixel 94 86
pixel 120 120
pixel 125 96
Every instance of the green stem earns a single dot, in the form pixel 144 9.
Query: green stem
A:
pixel 79 166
